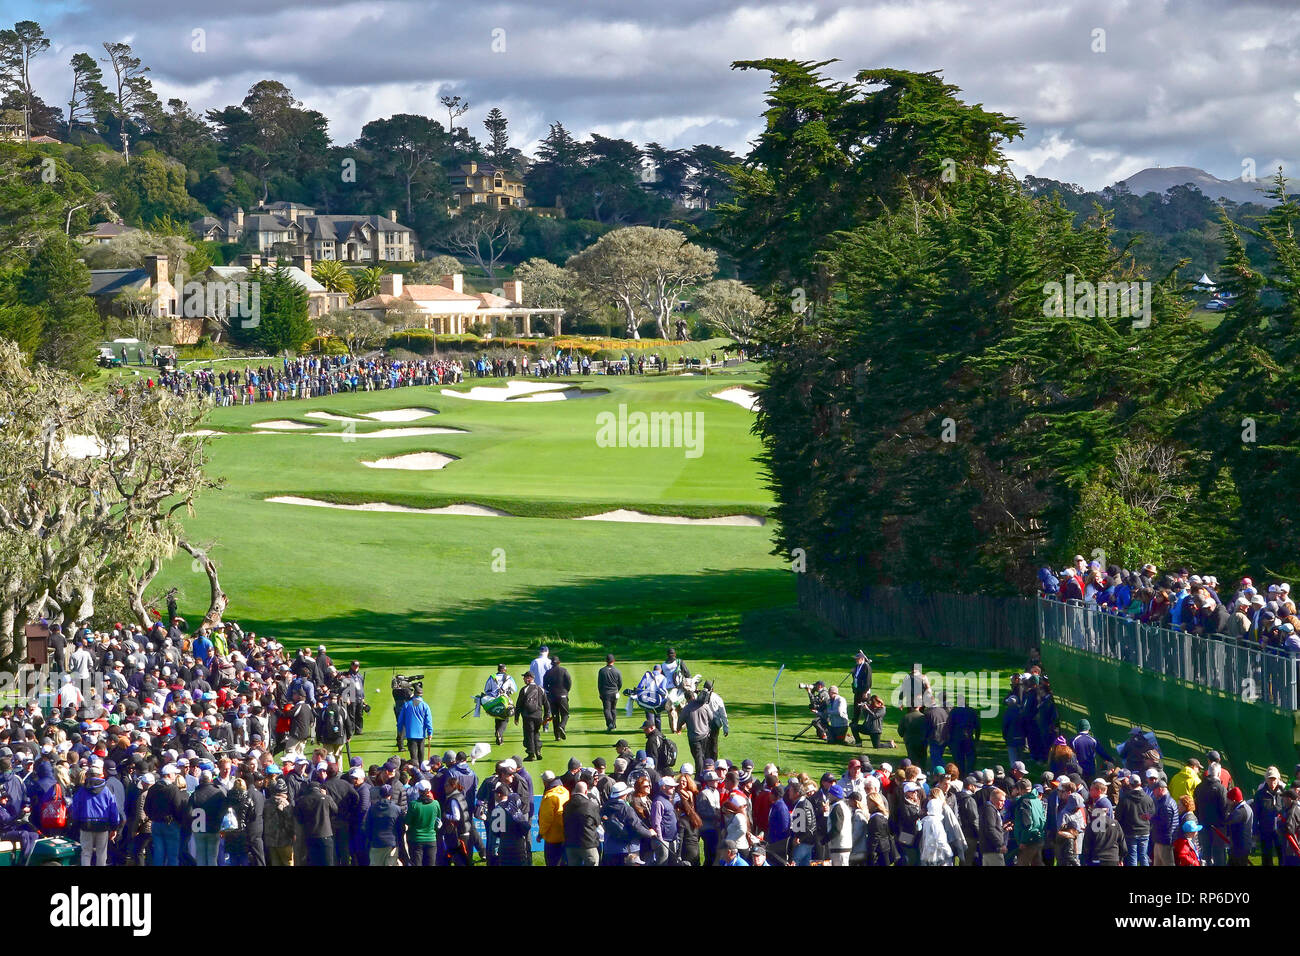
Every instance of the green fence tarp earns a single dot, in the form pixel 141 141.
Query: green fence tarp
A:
pixel 1188 720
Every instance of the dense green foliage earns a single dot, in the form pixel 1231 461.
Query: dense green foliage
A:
pixel 283 324
pixel 1159 230
pixel 937 415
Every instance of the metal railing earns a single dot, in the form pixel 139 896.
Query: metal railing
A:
pixel 1220 663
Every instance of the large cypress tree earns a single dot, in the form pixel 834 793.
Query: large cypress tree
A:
pixel 933 420
pixel 1245 421
pixel 283 324
pixel 55 283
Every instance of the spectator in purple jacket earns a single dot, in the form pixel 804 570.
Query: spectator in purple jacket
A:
pixel 97 817
pixel 1086 748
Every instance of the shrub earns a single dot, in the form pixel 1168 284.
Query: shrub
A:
pixel 420 341
pixel 326 345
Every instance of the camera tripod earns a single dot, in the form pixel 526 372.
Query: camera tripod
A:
pixel 812 725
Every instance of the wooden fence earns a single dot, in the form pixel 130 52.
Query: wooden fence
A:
pixel 958 620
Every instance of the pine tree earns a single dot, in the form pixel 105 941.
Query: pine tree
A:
pixel 283 324
pixel 55 282
pixel 499 141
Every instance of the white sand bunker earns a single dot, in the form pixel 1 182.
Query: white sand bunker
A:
pixel 401 414
pixel 78 447
pixel 201 433
pixel 622 514
pixel 419 461
pixel 481 511
pixel 285 424
pixel 741 396
pixel 523 392
pixel 563 396
pixel 390 433
pixel 332 417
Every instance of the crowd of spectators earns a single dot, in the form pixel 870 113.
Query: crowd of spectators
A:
pixel 307 377
pixel 1181 601
pixel 220 747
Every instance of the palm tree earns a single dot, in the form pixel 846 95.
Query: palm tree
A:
pixel 333 275
pixel 365 283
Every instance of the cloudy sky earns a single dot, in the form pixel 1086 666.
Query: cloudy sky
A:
pixel 1105 88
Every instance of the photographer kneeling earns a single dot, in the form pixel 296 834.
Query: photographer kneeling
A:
pixel 837 717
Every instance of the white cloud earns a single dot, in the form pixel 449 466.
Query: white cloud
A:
pixel 1189 83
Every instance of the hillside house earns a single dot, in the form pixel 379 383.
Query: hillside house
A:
pixel 447 309
pixel 286 227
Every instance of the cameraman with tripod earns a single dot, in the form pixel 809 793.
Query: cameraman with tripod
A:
pixel 818 701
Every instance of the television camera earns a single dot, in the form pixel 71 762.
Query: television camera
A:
pixel 819 699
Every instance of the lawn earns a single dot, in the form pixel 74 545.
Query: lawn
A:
pixel 450 596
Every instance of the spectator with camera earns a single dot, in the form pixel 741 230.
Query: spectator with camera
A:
pixel 837 716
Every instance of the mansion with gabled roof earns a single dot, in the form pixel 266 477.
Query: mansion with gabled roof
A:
pixel 292 229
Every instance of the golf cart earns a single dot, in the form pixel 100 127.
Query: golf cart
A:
pixel 49 851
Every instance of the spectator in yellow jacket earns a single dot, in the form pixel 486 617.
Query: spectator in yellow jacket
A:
pixel 1185 781
pixel 550 818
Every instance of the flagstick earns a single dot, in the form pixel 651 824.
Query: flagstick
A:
pixel 776 731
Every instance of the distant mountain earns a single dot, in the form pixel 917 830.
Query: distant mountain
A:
pixel 1161 179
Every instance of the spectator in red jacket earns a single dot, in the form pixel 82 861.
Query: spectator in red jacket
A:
pixel 1185 851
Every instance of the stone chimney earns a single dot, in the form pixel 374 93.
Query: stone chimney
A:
pixel 303 263
pixel 455 283
pixel 390 284
pixel 239 216
pixel 251 261
pixel 514 291
pixel 159 284
pixel 471 167
pixel 392 214
pixel 292 213
pixel 156 266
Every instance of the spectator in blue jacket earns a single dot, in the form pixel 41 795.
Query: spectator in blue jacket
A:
pixel 1241 836
pixel 1164 823
pixel 97 817
pixel 1049 582
pixel 415 725
pixel 730 855
pixel 1180 609
pixel 778 826
pixel 624 830
pixel 460 770
pixel 1268 804
pixel 663 819
pixel 383 828
pixel 201 648
pixel 10 784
